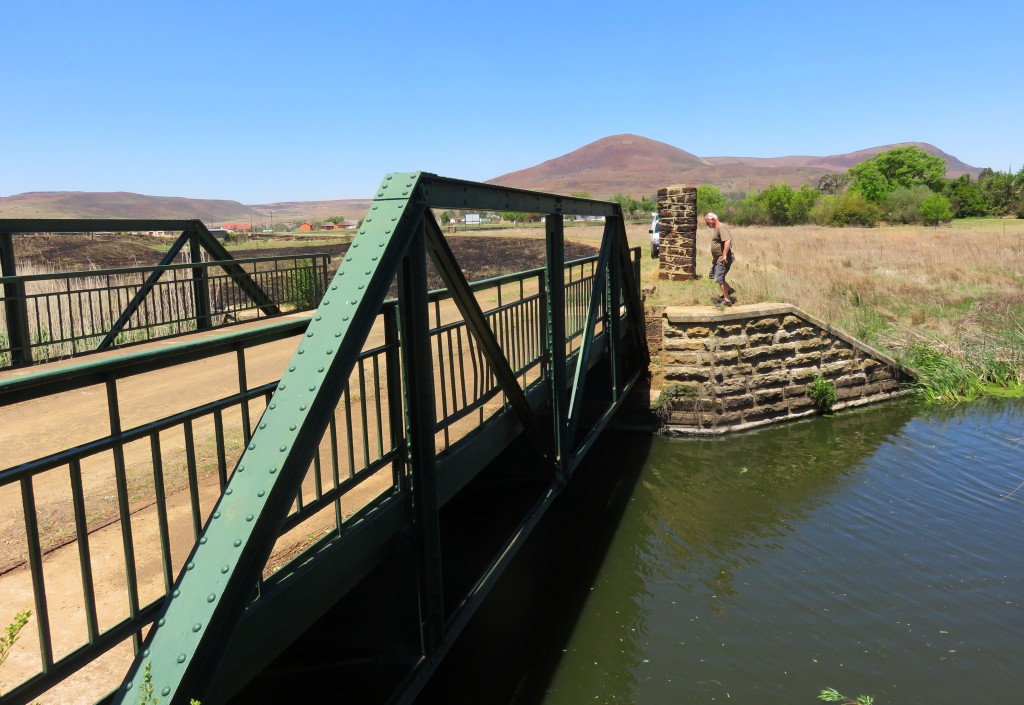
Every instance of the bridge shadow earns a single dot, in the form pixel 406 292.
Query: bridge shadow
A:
pixel 508 653
pixel 362 649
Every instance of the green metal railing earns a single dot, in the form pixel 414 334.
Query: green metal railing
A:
pixel 48 316
pixel 196 626
pixel 362 447
pixel 68 314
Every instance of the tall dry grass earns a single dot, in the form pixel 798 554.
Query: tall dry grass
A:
pixel 956 289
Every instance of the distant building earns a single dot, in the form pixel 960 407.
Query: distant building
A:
pixel 305 227
pixel 237 227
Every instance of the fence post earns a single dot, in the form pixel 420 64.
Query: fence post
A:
pixel 15 306
pixel 200 283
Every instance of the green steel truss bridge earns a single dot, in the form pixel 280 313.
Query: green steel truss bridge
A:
pixel 388 407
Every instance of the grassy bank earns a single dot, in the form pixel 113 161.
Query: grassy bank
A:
pixel 947 302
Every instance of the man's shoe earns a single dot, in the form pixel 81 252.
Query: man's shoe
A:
pixel 726 302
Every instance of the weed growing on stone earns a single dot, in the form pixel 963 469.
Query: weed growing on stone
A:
pixel 823 393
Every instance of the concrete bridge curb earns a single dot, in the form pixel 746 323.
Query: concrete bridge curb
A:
pixel 748 366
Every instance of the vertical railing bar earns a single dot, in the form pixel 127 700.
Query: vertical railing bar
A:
pixel 362 410
pixel 222 462
pixel 462 366
pixel 161 510
pixel 335 469
pixel 451 372
pixel 35 562
pixel 440 371
pixel 243 387
pixel 124 507
pixel 396 406
pixel 318 484
pixel 348 430
pixel 84 557
pixel 377 403
pixel 193 479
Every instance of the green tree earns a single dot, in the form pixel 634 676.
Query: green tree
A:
pixel 833 184
pixel 336 219
pixel 648 205
pixel 965 197
pixel 904 204
pixel 709 199
pixel 802 203
pixel 1000 191
pixel 748 211
pixel 901 166
pixel 628 204
pixel 776 201
pixel 936 209
pixel 869 182
pixel 852 208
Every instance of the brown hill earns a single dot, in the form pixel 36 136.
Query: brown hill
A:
pixel 639 167
pixel 617 164
pixel 85 204
pixel 628 164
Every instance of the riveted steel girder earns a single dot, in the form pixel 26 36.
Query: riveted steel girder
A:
pixel 209 596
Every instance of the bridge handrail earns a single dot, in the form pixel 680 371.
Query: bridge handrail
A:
pixel 519 345
pixel 146 269
pixel 34 382
pixel 39 382
pixel 72 313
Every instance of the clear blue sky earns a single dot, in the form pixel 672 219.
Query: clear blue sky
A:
pixel 305 100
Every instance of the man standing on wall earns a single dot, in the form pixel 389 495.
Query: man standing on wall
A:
pixel 721 256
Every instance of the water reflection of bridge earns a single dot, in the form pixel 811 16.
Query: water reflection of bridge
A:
pixel 182 508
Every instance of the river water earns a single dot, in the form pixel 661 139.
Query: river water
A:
pixel 878 552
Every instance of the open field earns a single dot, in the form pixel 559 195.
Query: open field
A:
pixel 958 289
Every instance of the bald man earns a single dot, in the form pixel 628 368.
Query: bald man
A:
pixel 721 256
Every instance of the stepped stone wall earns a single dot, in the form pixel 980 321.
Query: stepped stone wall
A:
pixel 747 366
pixel 677 214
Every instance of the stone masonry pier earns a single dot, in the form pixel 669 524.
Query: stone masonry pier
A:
pixel 747 366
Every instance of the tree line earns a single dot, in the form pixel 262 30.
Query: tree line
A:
pixel 902 185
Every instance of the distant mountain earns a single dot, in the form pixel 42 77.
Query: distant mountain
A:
pixel 639 166
pixel 628 164
pixel 85 204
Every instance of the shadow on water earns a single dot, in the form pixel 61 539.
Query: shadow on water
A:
pixel 510 648
pixel 677 514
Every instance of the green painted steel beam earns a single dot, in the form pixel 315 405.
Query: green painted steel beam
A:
pixel 440 192
pixel 208 598
pixel 579 384
pixel 209 595
pixel 554 335
pixel 141 294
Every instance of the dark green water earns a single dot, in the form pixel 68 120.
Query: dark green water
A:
pixel 877 552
